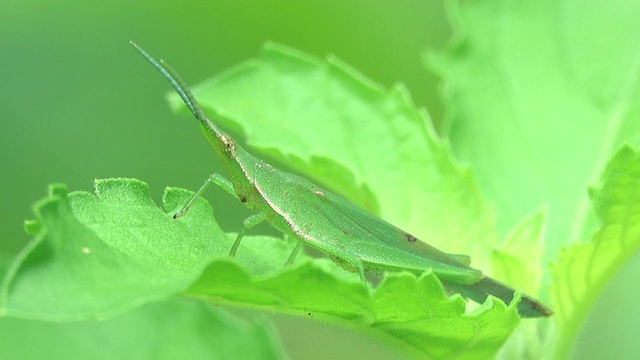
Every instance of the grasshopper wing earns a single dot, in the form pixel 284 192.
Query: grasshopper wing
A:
pixel 382 246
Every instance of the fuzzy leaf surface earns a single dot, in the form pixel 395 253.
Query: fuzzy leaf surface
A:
pixel 414 314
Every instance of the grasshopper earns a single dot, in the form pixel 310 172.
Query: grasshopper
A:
pixel 354 238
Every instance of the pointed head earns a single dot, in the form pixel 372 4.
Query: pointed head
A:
pixel 222 143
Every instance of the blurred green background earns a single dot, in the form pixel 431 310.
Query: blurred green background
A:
pixel 78 103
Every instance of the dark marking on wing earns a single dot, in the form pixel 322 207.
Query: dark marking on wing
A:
pixel 410 238
pixel 242 198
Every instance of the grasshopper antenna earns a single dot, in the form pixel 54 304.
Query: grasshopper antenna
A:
pixel 178 84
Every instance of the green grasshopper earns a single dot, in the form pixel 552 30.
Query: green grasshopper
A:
pixel 352 237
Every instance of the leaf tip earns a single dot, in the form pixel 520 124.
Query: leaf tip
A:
pixel 32 227
pixel 57 190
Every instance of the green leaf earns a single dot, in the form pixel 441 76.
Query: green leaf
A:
pixel 518 261
pixel 539 95
pixel 176 329
pixel 414 314
pixel 583 270
pixel 97 256
pixel 5 262
pixel 366 143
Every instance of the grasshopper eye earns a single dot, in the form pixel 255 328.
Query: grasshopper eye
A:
pixel 229 146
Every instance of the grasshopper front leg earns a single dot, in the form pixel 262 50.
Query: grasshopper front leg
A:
pixel 227 186
pixel 217 179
